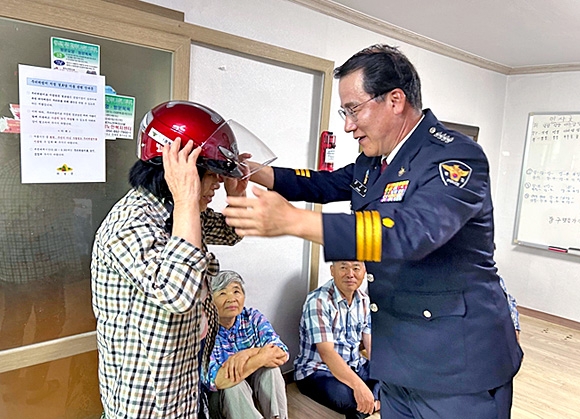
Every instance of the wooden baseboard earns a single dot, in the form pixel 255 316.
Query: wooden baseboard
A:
pixel 560 321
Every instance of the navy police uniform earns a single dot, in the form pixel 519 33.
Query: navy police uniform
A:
pixel 424 227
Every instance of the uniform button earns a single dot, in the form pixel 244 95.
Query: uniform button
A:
pixel 370 277
pixel 374 307
pixel 427 314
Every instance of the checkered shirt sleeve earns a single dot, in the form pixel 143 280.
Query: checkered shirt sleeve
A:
pixel 146 289
pixel 215 229
pixel 326 317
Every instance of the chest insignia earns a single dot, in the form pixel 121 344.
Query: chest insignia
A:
pixel 395 191
pixel 402 171
pixel 366 177
pixel 454 172
pixel 441 136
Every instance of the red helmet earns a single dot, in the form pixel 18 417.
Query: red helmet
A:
pixel 190 121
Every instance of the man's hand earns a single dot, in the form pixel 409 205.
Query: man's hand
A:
pixel 365 400
pixel 269 214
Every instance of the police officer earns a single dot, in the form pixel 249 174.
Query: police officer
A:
pixel 422 220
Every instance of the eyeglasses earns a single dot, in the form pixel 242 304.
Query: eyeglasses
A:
pixel 351 111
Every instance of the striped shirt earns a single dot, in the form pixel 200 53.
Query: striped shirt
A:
pixel 250 330
pixel 146 291
pixel 327 317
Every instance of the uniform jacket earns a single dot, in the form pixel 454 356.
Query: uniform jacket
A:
pixel 424 227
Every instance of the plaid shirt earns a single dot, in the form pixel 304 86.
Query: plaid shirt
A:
pixel 250 330
pixel 513 305
pixel 327 317
pixel 147 291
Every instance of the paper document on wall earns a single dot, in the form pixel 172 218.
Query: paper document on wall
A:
pixel 62 116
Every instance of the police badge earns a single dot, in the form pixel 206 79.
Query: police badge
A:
pixel 454 172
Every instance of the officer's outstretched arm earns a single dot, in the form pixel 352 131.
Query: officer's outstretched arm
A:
pixel 264 176
pixel 270 215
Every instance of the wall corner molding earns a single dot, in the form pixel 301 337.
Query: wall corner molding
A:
pixel 346 14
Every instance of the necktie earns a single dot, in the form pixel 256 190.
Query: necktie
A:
pixel 384 165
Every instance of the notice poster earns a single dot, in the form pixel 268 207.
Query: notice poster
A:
pixel 80 57
pixel 119 117
pixel 62 122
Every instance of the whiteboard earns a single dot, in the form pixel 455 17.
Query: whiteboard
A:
pixel 548 211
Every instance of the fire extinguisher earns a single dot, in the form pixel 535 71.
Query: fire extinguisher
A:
pixel 327 149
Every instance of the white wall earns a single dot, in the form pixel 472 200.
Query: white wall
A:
pixel 544 281
pixel 275 103
pixel 456 92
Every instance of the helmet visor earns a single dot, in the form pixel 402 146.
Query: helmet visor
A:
pixel 226 150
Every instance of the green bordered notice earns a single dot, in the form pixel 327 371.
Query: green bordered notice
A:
pixel 119 117
pixel 74 56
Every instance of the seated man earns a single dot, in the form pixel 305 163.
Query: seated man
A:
pixel 246 357
pixel 335 320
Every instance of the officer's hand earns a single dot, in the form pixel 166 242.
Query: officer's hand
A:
pixel 269 214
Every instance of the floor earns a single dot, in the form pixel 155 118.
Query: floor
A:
pixel 547 386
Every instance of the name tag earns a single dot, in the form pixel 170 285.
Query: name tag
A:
pixel 359 187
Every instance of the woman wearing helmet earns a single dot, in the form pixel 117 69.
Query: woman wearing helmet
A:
pixel 151 267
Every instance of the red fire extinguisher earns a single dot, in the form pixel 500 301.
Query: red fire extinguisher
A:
pixel 327 149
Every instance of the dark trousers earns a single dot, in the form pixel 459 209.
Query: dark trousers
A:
pixel 404 403
pixel 322 387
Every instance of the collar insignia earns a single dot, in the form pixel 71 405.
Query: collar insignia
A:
pixel 441 136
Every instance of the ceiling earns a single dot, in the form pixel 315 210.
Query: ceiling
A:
pixel 510 33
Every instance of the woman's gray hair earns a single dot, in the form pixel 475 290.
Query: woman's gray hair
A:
pixel 225 278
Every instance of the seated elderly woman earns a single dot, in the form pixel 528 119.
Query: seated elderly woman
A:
pixel 246 357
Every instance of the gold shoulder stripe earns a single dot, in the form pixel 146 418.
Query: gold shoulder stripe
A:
pixel 368 245
pixel 368 236
pixel 302 172
pixel 377 237
pixel 360 228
